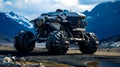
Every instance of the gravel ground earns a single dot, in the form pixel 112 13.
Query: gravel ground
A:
pixel 41 56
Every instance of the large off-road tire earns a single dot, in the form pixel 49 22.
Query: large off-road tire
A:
pixel 89 47
pixel 56 43
pixel 24 42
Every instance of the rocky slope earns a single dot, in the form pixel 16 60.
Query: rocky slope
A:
pixel 113 41
pixel 104 19
pixel 11 24
pixel 5 39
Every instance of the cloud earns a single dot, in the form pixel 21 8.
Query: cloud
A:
pixel 68 2
pixel 33 8
pixel 9 3
pixel 88 7
pixel 1 4
pixel 94 1
pixel 36 7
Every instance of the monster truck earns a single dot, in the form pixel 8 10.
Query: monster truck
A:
pixel 58 29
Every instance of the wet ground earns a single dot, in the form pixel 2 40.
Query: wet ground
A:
pixel 103 64
pixel 73 58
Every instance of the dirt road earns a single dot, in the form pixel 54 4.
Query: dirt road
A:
pixel 72 58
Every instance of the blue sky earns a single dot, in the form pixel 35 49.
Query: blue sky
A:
pixel 33 8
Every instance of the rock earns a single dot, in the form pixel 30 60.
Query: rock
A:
pixel 13 58
pixel 9 65
pixel 7 60
pixel 33 65
pixel 22 59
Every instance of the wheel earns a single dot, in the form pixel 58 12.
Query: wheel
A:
pixel 89 47
pixel 56 43
pixel 23 41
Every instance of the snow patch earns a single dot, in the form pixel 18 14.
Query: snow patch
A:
pixel 20 22
pixel 110 44
pixel 20 19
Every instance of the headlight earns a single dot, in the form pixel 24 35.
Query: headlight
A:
pixel 39 22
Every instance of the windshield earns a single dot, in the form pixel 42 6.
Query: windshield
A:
pixel 76 21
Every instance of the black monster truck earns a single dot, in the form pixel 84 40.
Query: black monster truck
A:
pixel 58 29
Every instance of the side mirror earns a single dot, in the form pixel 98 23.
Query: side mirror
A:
pixel 85 23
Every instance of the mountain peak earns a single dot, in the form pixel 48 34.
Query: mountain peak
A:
pixel 11 23
pixel 17 18
pixel 104 19
pixel 105 7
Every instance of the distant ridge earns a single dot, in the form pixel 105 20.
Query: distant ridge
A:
pixel 4 39
pixel 104 19
pixel 11 24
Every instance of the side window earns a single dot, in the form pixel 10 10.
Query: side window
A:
pixel 73 20
pixel 83 23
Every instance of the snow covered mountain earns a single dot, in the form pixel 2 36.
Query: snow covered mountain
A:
pixel 110 44
pixel 19 19
pixel 11 24
pixel 4 39
pixel 104 19
pixel 113 41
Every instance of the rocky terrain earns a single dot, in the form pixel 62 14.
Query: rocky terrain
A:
pixel 110 42
pixel 41 58
pixel 103 20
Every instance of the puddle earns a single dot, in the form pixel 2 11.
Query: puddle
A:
pixel 1 57
pixel 46 64
pixel 103 64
